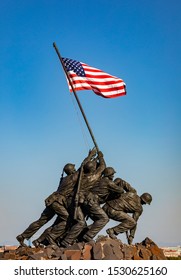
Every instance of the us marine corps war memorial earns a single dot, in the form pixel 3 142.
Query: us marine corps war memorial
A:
pixel 90 192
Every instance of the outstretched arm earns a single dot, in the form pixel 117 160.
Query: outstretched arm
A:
pixel 128 188
pixel 136 216
pixel 90 156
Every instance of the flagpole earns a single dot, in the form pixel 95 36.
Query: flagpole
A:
pixel 76 97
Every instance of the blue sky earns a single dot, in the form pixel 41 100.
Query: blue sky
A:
pixel 42 129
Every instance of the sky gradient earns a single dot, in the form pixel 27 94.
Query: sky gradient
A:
pixel 41 126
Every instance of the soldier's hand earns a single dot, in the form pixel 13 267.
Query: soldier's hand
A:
pixel 93 152
pixel 100 154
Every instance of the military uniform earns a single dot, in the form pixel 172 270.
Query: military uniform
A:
pixel 64 221
pixel 55 204
pixel 118 210
pixel 86 198
pixel 92 205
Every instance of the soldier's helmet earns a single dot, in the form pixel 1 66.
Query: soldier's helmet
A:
pixel 69 168
pixel 108 171
pixel 89 166
pixel 117 181
pixel 146 197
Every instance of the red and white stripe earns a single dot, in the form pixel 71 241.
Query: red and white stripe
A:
pixel 100 82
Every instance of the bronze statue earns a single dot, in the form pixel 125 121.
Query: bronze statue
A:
pixel 119 209
pixel 65 194
pixel 80 195
pixel 92 172
pixel 55 203
pixel 89 202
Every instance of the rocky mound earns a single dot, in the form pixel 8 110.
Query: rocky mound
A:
pixel 103 249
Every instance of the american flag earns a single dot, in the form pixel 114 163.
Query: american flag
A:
pixel 85 77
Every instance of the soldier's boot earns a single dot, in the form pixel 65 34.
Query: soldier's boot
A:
pixel 111 234
pixel 50 240
pixel 65 244
pixel 21 239
pixel 87 238
pixel 36 243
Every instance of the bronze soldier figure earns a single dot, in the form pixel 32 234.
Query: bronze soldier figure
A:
pixel 119 209
pixel 65 193
pixel 55 204
pixel 98 195
pixel 93 170
pixel 90 206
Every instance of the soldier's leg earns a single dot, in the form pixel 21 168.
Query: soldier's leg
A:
pixel 75 230
pixel 83 232
pixel 42 238
pixel 100 218
pixel 127 222
pixel 46 216
pixel 58 230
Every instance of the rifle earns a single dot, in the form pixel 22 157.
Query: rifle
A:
pixel 77 193
pixel 91 154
